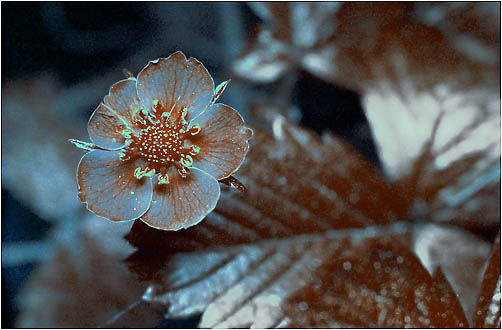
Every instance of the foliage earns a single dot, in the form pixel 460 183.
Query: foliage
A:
pixel 319 237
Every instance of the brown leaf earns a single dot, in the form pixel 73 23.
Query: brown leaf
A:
pixel 296 184
pixel 488 308
pixel 354 44
pixel 473 28
pixel 374 283
pixel 244 285
pixel 253 250
pixel 244 258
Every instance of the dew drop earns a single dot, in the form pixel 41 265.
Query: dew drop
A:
pixel 399 260
pixel 303 306
pixel 347 265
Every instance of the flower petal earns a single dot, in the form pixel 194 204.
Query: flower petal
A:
pixel 182 202
pixel 176 80
pixel 222 141
pixel 114 114
pixel 109 187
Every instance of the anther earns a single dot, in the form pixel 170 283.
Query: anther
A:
pixel 163 179
pixel 155 103
pixel 183 171
pixel 139 173
pixel 126 133
pixel 195 150
pixel 186 160
pixel 183 115
pixel 150 173
pixel 194 129
pixel 123 156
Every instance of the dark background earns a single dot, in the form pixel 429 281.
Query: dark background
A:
pixel 77 42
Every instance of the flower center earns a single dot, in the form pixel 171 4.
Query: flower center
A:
pixel 160 143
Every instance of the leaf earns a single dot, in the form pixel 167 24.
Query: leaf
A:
pixel 374 284
pixel 440 145
pixel 433 109
pixel 38 162
pixel 353 44
pixel 83 284
pixel 241 262
pixel 297 184
pixel 243 286
pixel 294 35
pixel 453 251
pixel 488 308
pixel 472 27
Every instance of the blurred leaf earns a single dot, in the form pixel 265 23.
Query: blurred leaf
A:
pixel 488 308
pixel 353 44
pixel 39 165
pixel 474 28
pixel 84 284
pixel 293 35
pixel 440 145
pixel 434 111
pixel 378 284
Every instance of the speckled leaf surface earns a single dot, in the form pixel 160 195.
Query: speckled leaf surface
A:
pixel 375 283
pixel 488 308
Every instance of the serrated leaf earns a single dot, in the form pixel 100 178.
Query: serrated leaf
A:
pixel 243 286
pixel 374 284
pixel 252 243
pixel 296 184
pixel 488 308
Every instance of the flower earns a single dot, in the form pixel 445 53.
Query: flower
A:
pixel 160 144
